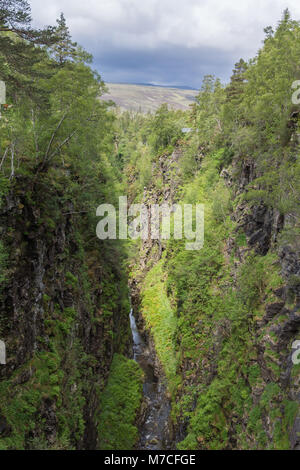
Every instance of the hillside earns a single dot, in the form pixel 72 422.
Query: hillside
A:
pixel 148 98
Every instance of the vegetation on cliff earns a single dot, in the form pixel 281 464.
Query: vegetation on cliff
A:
pixel 222 319
pixel 64 297
pixel 120 404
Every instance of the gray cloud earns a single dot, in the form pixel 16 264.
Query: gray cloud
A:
pixel 166 41
pixel 171 65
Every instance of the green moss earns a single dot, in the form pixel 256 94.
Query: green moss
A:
pixel 71 280
pixel 120 403
pixel 291 409
pixel 160 319
pixel 46 384
pixel 3 264
pixel 270 393
pixel 284 425
pixel 253 374
pixel 241 240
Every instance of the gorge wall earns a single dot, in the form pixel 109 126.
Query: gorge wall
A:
pixel 222 320
pixel 220 325
pixel 64 314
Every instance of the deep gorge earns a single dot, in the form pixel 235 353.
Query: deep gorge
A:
pixel 142 344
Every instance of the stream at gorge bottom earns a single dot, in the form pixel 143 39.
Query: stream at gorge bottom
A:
pixel 154 427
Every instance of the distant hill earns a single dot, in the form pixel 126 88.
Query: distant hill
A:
pixel 145 98
pixel 180 87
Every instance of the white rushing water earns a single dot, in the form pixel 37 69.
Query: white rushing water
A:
pixel 138 343
pixel 155 425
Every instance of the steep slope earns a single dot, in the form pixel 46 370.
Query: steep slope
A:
pixel 63 295
pixel 224 321
pixel 61 304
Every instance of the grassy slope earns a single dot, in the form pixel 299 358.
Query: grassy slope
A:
pixel 120 402
pixel 148 98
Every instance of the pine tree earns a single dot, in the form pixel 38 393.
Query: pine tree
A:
pixel 269 32
pixel 237 81
pixel 65 49
pixel 234 114
pixel 15 17
pixel 19 51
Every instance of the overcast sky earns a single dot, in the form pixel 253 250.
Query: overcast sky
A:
pixel 170 42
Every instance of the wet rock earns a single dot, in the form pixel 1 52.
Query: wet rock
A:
pixel 24 377
pixel 289 329
pixel 247 174
pixel 225 173
pixel 5 428
pixel 48 414
pixel 290 261
pixel 272 310
pixel 258 228
pixel 295 435
pixel 281 293
pixel 155 409
pixel 154 442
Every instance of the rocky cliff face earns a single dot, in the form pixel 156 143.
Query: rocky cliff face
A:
pixel 62 317
pixel 265 413
pixel 222 353
pixel 279 327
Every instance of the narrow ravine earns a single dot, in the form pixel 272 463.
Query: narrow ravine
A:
pixel 154 428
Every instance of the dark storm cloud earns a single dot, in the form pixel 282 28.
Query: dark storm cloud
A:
pixel 168 65
pixel 166 41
